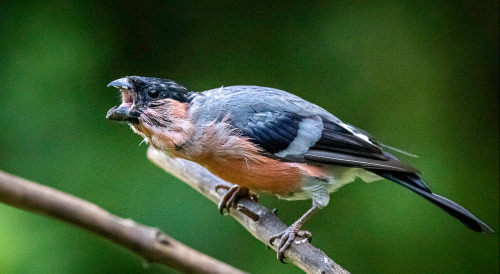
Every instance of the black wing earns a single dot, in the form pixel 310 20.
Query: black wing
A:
pixel 337 138
pixel 275 131
pixel 272 131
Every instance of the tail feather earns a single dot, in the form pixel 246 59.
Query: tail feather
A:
pixel 414 183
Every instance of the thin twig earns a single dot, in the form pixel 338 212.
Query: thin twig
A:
pixel 150 243
pixel 258 220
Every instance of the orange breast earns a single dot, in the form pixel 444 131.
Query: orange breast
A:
pixel 262 175
pixel 237 160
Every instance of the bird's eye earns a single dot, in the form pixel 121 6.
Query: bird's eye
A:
pixel 153 93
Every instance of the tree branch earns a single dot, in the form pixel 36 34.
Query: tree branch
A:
pixel 150 243
pixel 258 220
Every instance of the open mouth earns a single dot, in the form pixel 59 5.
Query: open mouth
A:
pixel 127 99
pixel 123 113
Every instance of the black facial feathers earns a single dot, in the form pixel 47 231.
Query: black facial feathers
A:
pixel 144 87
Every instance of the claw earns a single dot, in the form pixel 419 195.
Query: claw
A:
pixel 286 239
pixel 276 236
pixel 291 232
pixel 231 196
pixel 305 234
pixel 217 187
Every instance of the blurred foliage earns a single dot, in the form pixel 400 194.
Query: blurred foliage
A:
pixel 420 75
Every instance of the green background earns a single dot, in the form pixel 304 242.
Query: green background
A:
pixel 420 75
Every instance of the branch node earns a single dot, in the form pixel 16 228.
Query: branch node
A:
pixel 162 238
pixel 252 215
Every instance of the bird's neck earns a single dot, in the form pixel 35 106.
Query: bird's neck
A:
pixel 169 135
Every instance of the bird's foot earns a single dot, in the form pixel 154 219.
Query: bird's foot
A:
pixel 287 237
pixel 231 196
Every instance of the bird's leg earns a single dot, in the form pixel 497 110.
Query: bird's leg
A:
pixel 231 196
pixel 286 237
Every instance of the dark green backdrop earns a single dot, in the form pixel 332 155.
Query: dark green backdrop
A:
pixel 420 75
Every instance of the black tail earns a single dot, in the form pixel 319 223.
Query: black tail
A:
pixel 415 184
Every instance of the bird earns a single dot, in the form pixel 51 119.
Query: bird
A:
pixel 266 140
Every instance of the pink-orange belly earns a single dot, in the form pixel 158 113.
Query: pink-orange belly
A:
pixel 262 175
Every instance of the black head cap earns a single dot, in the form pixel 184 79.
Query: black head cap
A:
pixel 150 88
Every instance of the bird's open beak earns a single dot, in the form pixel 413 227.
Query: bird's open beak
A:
pixel 122 113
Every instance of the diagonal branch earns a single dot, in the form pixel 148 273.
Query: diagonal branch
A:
pixel 258 220
pixel 150 243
